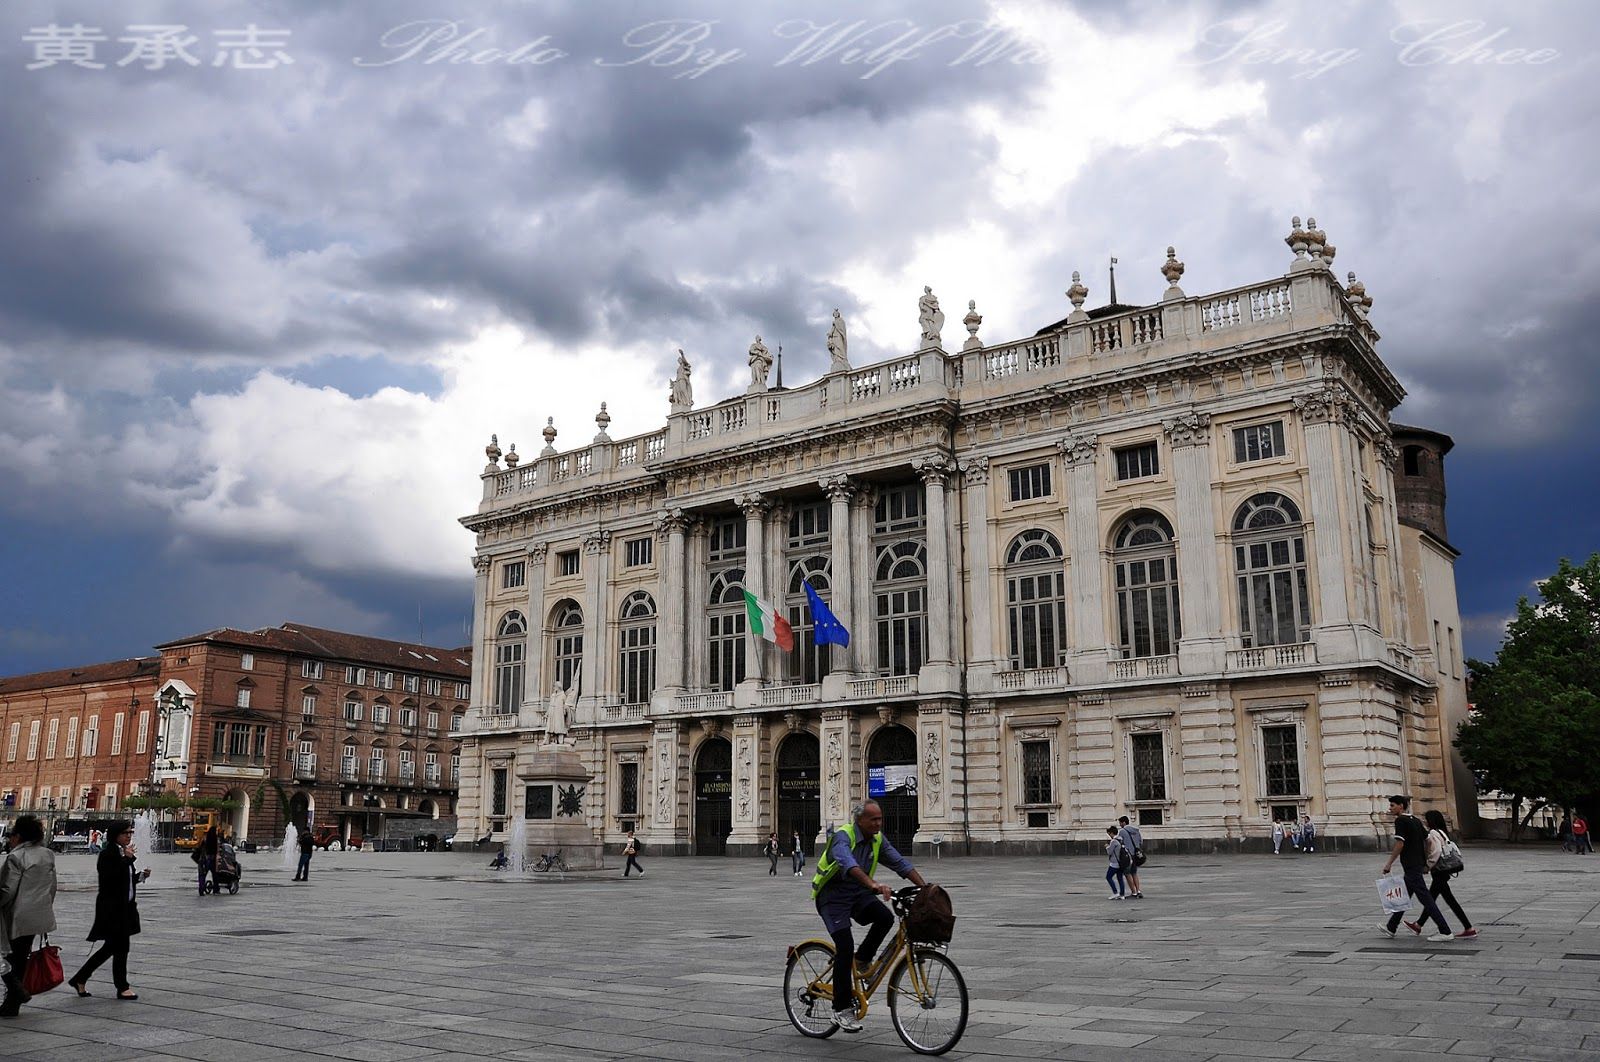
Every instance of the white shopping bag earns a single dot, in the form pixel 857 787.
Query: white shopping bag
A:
pixel 1392 891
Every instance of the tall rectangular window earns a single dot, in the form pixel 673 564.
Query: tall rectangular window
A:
pixel 567 562
pixel 116 734
pixel 497 792
pixel 50 742
pixel 1280 753
pixel 410 683
pixel 33 740
pixel 247 661
pixel 513 575
pixel 1257 442
pixel 308 705
pixel 433 719
pixel 1036 787
pixel 142 736
pixel 1029 482
pixel 1138 462
pixel 628 790
pixel 11 741
pixel 241 698
pixel 638 552
pixel 111 796
pixel 1149 768
pixel 431 687
pixel 311 669
pixel 355 676
pixel 72 737
pixel 463 691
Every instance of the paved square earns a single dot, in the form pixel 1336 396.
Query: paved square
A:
pixel 385 957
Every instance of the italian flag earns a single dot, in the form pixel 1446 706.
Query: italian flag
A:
pixel 767 624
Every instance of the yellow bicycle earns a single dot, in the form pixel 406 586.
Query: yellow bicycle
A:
pixel 927 994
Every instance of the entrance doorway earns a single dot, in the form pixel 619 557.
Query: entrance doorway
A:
pixel 892 782
pixel 713 796
pixel 799 792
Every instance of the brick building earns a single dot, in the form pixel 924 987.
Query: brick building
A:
pixel 357 732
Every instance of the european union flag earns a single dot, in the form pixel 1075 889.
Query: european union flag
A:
pixel 826 626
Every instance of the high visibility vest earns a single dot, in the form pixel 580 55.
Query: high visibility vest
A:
pixel 828 867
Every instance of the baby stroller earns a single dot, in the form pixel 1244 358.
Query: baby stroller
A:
pixel 226 874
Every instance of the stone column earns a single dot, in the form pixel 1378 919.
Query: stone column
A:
pixel 483 640
pixel 1208 760
pixel 1200 650
pixel 756 659
pixel 668 823
pixel 1089 661
pixel 863 636
pixel 670 628
pixel 694 605
pixel 939 672
pixel 938 749
pixel 596 621
pixel 839 490
pixel 1322 412
pixel 980 574
pixel 777 580
pixel 835 767
pixel 1387 455
pixel 747 836
pixel 533 665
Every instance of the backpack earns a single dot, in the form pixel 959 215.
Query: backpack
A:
pixel 931 919
pixel 1124 860
pixel 1449 861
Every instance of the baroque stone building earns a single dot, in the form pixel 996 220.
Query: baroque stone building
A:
pixel 1163 561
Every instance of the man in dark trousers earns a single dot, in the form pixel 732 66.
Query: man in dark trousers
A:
pixel 302 870
pixel 771 852
pixel 1411 848
pixel 845 891
pixel 210 844
pixel 631 850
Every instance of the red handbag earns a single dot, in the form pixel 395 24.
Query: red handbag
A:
pixel 44 970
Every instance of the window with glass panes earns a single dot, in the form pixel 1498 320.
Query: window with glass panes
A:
pixel 1269 551
pixel 636 648
pixel 1036 787
pixel 308 704
pixel 311 669
pixel 1146 571
pixel 1137 462
pixel 809 662
pixel 900 583
pixel 1036 601
pixel 349 763
pixel 568 659
pixel 628 788
pixel 1257 442
pixel 1280 753
pixel 638 552
pixel 725 619
pixel 375 763
pixel 498 791
pixel 567 562
pixel 352 710
pixel 513 575
pixel 1149 767
pixel 1029 482
pixel 380 713
pixel 510 654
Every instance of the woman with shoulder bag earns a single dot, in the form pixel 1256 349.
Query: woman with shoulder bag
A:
pixel 116 912
pixel 1444 861
pixel 27 903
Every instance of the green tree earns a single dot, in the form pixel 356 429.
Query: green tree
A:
pixel 1535 731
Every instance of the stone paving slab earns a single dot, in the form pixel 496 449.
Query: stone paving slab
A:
pixel 391 957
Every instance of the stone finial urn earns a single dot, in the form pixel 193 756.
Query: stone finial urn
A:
pixel 972 320
pixel 1172 270
pixel 602 420
pixel 511 457
pixel 1077 293
pixel 549 434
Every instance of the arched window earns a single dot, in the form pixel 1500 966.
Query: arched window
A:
pixel 1269 562
pixel 568 628
pixel 809 661
pixel 1146 563
pixel 726 617
pixel 510 652
pixel 900 594
pixel 1036 601
pixel 636 666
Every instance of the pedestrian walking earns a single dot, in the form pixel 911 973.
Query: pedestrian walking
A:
pixel 631 850
pixel 1580 835
pixel 797 855
pixel 1133 841
pixel 1117 861
pixel 1565 831
pixel 771 852
pixel 27 903
pixel 1411 849
pixel 210 845
pixel 1442 869
pixel 116 911
pixel 1277 836
pixel 1308 834
pixel 302 870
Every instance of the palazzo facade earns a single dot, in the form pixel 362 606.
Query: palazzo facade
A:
pixel 1149 561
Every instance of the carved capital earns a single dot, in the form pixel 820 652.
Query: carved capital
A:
pixel 1328 403
pixel 1079 448
pixel 711 726
pixel 596 542
pixel 975 471
pixel 538 552
pixel 1388 453
pixel 672 521
pixel 481 563
pixel 752 503
pixel 932 469
pixel 838 488
pixel 1188 429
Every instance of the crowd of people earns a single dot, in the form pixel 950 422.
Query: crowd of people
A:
pixel 27 907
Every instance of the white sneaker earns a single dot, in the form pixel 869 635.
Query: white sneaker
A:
pixel 1114 896
pixel 1385 930
pixel 846 1020
pixel 1441 938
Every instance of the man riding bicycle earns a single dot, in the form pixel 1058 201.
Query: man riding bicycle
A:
pixel 844 890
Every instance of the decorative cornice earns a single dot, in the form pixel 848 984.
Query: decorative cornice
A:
pixel 1188 429
pixel 1080 447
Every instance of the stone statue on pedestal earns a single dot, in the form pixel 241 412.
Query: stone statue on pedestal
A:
pixel 682 394
pixel 760 365
pixel 559 714
pixel 931 318
pixel 838 345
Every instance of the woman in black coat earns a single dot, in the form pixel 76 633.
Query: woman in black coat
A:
pixel 116 914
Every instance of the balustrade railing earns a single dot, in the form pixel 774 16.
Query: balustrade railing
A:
pixel 1039 678
pixel 1270 656
pixel 888 686
pixel 1144 667
pixel 775 696
pixel 703 702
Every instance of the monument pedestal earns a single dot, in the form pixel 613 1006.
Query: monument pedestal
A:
pixel 554 785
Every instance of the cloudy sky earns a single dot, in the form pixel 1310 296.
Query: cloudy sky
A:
pixel 263 302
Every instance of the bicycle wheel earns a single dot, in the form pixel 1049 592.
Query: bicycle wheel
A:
pixel 811 1014
pixel 932 1021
